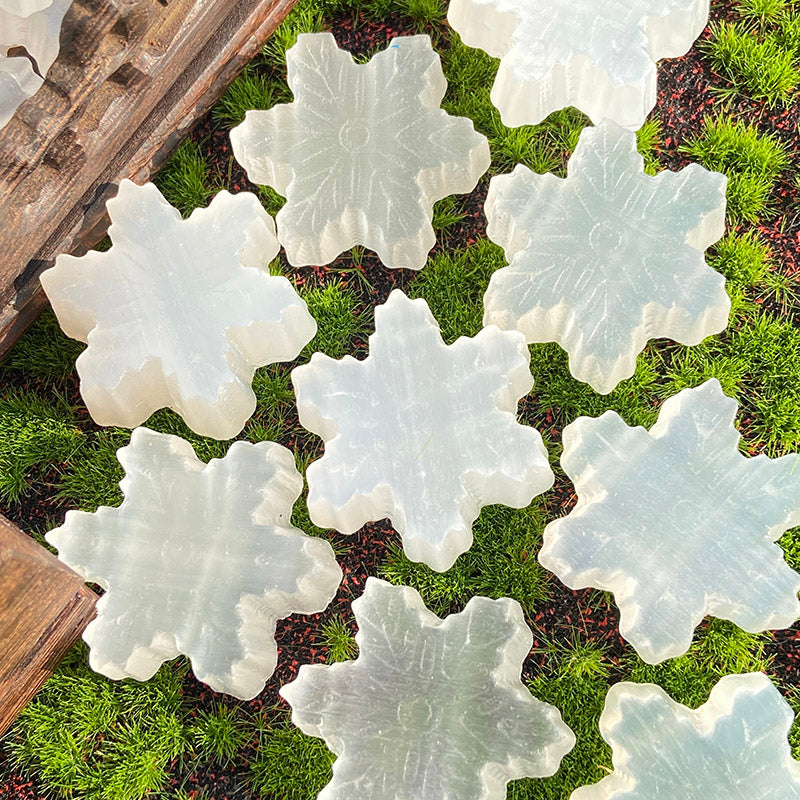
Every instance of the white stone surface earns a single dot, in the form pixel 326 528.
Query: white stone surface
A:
pixel 608 257
pixel 431 708
pixel 362 153
pixel 734 747
pixel 420 432
pixel 178 313
pixel 36 26
pixel 677 523
pixel 199 559
pixel 598 56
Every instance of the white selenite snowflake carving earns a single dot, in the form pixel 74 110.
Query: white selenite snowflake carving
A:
pixel 362 153
pixel 34 25
pixel 597 56
pixel 607 258
pixel 199 559
pixel 421 432
pixel 178 313
pixel 677 523
pixel 735 746
pixel 431 708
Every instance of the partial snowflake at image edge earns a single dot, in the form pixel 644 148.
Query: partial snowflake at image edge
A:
pixel 599 57
pixel 431 707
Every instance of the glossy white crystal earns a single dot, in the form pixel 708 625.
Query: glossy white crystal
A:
pixel 734 747
pixel 677 523
pixel 362 153
pixel 178 313
pixel 420 432
pixel 199 559
pixel 431 708
pixel 598 56
pixel 607 258
pixel 34 25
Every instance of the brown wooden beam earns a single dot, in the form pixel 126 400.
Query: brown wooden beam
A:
pixel 44 607
pixel 131 79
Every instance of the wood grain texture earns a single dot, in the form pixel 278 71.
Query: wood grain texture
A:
pixel 44 607
pixel 131 79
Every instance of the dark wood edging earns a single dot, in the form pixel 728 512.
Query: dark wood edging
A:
pixel 132 77
pixel 44 607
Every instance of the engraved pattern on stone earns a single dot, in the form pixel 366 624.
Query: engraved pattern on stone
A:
pixel 362 153
pixel 598 56
pixel 607 258
pixel 735 746
pixel 421 432
pixel 677 523
pixel 431 708
pixel 199 559
pixel 178 313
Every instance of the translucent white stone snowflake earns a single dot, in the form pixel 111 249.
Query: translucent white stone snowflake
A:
pixel 598 56
pixel 199 559
pixel 735 746
pixel 677 523
pixel 362 153
pixel 431 708
pixel 421 432
pixel 34 26
pixel 607 258
pixel 178 313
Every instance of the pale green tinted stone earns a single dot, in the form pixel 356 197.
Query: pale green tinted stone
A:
pixel 677 523
pixel 597 55
pixel 431 708
pixel 199 559
pixel 421 432
pixel 734 747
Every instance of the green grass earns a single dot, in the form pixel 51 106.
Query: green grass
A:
pixel 290 765
pixel 760 66
pixel 218 735
pixel 751 160
pixel 339 640
pixel 183 181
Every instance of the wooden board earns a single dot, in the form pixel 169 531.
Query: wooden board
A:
pixel 44 607
pixel 132 77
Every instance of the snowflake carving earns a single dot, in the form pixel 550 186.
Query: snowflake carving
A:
pixel 599 57
pixel 362 153
pixel 178 313
pixel 607 258
pixel 677 523
pixel 430 708
pixel 199 559
pixel 420 432
pixel 735 746
pixel 35 27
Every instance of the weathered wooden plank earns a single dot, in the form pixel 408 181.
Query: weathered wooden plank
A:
pixel 44 607
pixel 132 77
